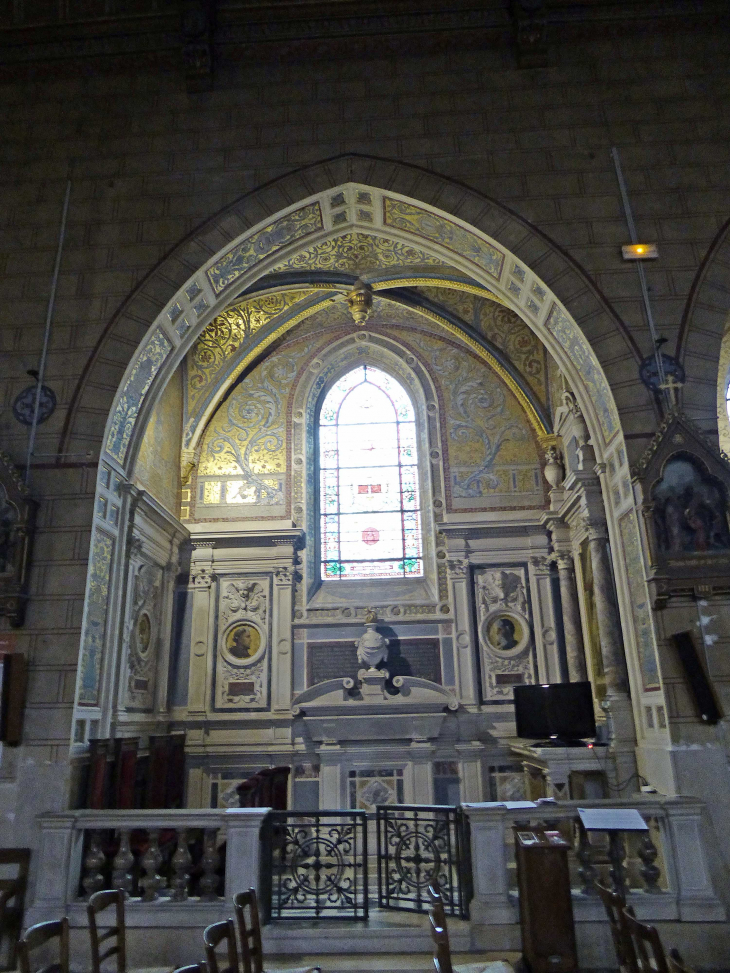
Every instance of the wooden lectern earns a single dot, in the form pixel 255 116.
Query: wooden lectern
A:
pixel 546 910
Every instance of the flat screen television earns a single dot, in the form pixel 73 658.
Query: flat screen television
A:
pixel 561 711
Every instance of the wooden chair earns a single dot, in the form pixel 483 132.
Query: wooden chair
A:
pixel 97 903
pixel 676 964
pixel 12 890
pixel 614 903
pixel 213 936
pixel 644 950
pixel 437 907
pixel 441 949
pixel 249 932
pixel 37 936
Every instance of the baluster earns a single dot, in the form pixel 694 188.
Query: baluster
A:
pixel 587 870
pixel 94 860
pixel 617 852
pixel 122 864
pixel 209 861
pixel 151 860
pixel 650 872
pixel 181 863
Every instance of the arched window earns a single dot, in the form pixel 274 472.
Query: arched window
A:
pixel 370 518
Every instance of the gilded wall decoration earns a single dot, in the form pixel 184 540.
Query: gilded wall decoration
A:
pixel 157 468
pixel 507 654
pixel 142 634
pixel 582 356
pixel 242 659
pixel 493 460
pixel 92 646
pixel 429 226
pixel 503 328
pixel 264 243
pixel 359 253
pixel 243 457
pixel 225 335
pixel 135 389
pixel 640 607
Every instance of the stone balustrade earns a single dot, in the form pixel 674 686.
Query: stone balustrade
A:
pixel 665 872
pixel 182 867
pixel 170 860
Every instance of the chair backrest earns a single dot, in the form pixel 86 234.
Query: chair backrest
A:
pixel 37 936
pixel 249 931
pixel 645 953
pixel 441 950
pixel 213 936
pixel 437 907
pixel 676 964
pixel 193 968
pixel 97 903
pixel 12 896
pixel 613 903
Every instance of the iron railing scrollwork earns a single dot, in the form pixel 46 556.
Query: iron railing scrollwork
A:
pixel 317 864
pixel 419 846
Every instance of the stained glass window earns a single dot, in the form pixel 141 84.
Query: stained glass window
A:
pixel 370 517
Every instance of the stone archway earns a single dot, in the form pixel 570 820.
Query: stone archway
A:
pixel 615 351
pixel 155 328
pixel 704 324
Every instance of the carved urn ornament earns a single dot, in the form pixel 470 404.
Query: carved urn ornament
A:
pixel 372 647
pixel 360 301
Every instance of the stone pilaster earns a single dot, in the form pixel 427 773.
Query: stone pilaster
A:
pixel 609 626
pixel 201 580
pixel 464 636
pixel 281 639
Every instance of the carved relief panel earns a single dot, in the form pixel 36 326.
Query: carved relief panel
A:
pixel 506 642
pixel 142 635
pixel 242 664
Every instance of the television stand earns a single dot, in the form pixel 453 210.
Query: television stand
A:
pixel 559 769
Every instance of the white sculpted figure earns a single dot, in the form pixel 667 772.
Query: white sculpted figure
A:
pixel 372 648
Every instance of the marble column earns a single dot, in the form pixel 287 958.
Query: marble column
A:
pixel 574 647
pixel 609 626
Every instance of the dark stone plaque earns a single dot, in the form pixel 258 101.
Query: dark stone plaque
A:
pixel 406 657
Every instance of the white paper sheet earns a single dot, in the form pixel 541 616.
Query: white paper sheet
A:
pixel 612 819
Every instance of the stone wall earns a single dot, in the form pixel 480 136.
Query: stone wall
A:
pixel 148 162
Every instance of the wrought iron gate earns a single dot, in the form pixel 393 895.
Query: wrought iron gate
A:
pixel 315 865
pixel 418 846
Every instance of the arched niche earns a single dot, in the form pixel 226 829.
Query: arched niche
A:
pixel 474 242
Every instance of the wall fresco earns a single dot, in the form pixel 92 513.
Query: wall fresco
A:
pixel 92 646
pixel 640 609
pixel 359 253
pixel 463 243
pixel 505 329
pixel 226 334
pixel 157 468
pixel 582 356
pixel 135 389
pixel 244 452
pixel 265 242
pixel 493 459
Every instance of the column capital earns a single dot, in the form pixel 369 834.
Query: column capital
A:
pixel 458 567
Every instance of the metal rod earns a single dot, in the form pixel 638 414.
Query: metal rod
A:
pixel 642 277
pixel 47 335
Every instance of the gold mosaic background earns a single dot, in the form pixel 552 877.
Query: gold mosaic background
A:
pixel 158 463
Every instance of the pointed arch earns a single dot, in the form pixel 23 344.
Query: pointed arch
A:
pixel 157 323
